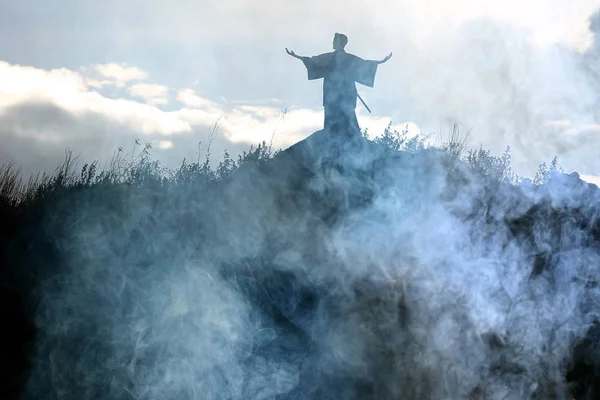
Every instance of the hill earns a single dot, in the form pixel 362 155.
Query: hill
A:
pixel 336 270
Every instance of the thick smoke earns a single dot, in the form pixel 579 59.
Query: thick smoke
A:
pixel 364 274
pixel 494 78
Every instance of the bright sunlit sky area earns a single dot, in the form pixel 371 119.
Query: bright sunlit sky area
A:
pixel 95 75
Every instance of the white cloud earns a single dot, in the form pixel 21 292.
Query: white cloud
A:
pixel 591 179
pixel 22 84
pixel 163 144
pixel 192 100
pixel 70 91
pixel 148 90
pixel 252 124
pixel 239 124
pixel 158 101
pixel 120 74
pixel 256 124
pixel 153 93
pixel 97 83
pixel 67 89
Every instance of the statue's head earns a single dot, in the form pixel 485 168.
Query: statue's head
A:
pixel 339 41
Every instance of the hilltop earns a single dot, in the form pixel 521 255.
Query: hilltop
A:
pixel 334 270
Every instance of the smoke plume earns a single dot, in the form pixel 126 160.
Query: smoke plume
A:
pixel 333 272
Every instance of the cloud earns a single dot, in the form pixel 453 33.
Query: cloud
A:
pixel 190 99
pixel 151 92
pixel 67 90
pixel 35 136
pixel 164 144
pixel 591 179
pixel 45 111
pixel 95 83
pixel 252 124
pixel 120 74
pixel 158 101
pixel 23 83
pixel 148 90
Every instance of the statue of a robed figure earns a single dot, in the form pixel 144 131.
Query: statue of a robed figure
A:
pixel 340 72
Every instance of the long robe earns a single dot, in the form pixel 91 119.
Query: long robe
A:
pixel 340 71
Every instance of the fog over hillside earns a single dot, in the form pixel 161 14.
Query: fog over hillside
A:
pixel 330 271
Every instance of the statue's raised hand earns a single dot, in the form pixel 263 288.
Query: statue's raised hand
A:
pixel 385 59
pixel 291 53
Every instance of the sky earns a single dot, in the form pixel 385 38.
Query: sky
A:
pixel 94 76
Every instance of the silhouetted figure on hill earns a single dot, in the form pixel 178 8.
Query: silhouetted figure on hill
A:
pixel 340 71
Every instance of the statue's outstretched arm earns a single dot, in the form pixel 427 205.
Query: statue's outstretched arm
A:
pixel 385 59
pixel 291 53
